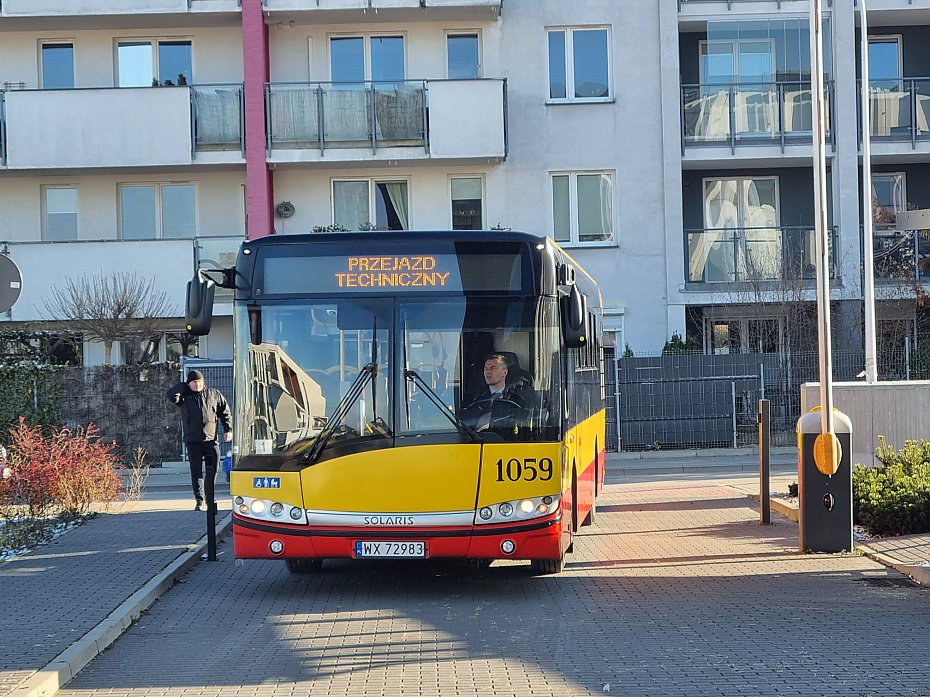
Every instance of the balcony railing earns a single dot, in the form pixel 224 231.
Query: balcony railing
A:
pixel 899 109
pixel 339 115
pixel 901 256
pixel 749 113
pixel 218 115
pixel 731 255
pixel 2 128
pixel 731 3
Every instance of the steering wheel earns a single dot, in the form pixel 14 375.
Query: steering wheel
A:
pixel 484 403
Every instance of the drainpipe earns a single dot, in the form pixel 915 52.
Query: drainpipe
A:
pixel 256 73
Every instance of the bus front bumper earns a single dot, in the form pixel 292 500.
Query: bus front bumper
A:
pixel 536 539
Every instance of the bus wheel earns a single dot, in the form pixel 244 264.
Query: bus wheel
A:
pixel 542 567
pixel 303 565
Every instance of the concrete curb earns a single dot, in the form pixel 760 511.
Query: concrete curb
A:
pixel 921 574
pixel 783 509
pixel 62 669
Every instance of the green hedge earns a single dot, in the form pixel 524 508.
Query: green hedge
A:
pixel 894 497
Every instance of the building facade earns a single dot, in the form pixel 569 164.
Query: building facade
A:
pixel 666 143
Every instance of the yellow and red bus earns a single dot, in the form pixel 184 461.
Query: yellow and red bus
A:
pixel 364 424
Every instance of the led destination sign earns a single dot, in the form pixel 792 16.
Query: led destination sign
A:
pixel 387 273
pixel 393 272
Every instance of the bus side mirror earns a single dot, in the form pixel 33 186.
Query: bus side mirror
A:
pixel 574 312
pixel 198 315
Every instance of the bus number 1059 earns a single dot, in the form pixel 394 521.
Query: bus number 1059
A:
pixel 528 469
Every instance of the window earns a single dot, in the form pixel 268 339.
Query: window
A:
pixel 888 199
pixel 363 204
pixel 462 56
pixel 579 64
pixel 57 66
pixel 152 211
pixel 150 63
pixel 742 236
pixel 582 207
pixel 466 203
pixel 353 59
pixel 885 62
pixel 60 218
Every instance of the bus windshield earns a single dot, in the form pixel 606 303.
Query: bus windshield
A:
pixel 360 373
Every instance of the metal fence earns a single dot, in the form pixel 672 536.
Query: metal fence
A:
pixel 708 401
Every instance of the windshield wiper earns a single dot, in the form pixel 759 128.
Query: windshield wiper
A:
pixel 366 375
pixel 414 377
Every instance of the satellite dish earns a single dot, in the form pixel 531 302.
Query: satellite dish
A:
pixel 11 283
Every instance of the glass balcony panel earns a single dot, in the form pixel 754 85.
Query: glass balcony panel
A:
pixel 706 113
pixel 711 256
pixel 399 111
pixel 762 254
pixel 295 115
pixel 922 91
pixel 756 110
pixel 893 256
pixel 346 116
pixel 218 121
pixel 889 109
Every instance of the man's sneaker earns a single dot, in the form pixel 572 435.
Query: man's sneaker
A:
pixel 201 506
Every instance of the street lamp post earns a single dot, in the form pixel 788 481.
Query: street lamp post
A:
pixel 868 280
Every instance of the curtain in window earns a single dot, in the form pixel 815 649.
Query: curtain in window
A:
pixel 345 114
pixel 350 204
pixel 762 235
pixel 137 212
pixel 397 193
pixel 710 254
pixel 218 114
pixel 595 208
pixel 399 112
pixel 295 115
pixel 178 211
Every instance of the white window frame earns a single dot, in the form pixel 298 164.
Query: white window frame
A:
pixel 734 45
pixel 572 175
pixel 54 42
pixel 77 210
pixel 570 97
pixel 372 183
pixel 159 222
pixel 464 32
pixel 153 41
pixel 484 189
pixel 366 38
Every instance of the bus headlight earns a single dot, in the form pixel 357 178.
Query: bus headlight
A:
pixel 275 511
pixel 520 509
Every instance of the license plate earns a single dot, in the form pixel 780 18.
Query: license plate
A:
pixel 393 550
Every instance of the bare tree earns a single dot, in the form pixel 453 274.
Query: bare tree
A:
pixel 111 307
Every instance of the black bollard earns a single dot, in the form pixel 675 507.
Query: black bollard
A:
pixel 210 486
pixel 765 430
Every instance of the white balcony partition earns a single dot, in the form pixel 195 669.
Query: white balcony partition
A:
pixel 491 7
pixel 466 118
pixel 59 129
pixel 169 263
pixel 57 8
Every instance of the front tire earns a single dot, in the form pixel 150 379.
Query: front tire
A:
pixel 303 565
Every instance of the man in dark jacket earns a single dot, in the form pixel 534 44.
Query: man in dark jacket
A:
pixel 200 407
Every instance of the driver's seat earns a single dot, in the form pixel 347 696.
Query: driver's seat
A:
pixel 515 374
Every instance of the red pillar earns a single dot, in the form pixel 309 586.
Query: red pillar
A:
pixel 256 73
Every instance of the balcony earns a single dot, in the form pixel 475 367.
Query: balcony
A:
pixel 90 8
pixel 410 120
pixel 738 114
pixel 899 110
pixel 120 127
pixel 388 10
pixel 45 264
pixel 739 255
pixel 698 7
pixel 901 257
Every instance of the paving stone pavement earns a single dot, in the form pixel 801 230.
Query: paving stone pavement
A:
pixel 677 590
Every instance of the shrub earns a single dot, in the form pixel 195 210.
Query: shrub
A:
pixel 894 497
pixel 58 470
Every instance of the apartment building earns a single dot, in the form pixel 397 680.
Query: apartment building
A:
pixel 666 143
